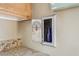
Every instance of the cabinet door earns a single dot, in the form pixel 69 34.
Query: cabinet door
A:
pixel 21 10
pixel 29 10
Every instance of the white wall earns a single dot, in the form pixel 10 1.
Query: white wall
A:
pixel 67 31
pixel 8 29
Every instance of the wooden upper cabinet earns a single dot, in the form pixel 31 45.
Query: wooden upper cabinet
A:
pixel 17 9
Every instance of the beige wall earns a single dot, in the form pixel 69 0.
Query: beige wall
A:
pixel 40 10
pixel 67 30
pixel 8 29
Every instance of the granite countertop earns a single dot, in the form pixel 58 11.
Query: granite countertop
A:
pixel 22 51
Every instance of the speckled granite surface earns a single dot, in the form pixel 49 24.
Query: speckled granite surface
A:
pixel 21 51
